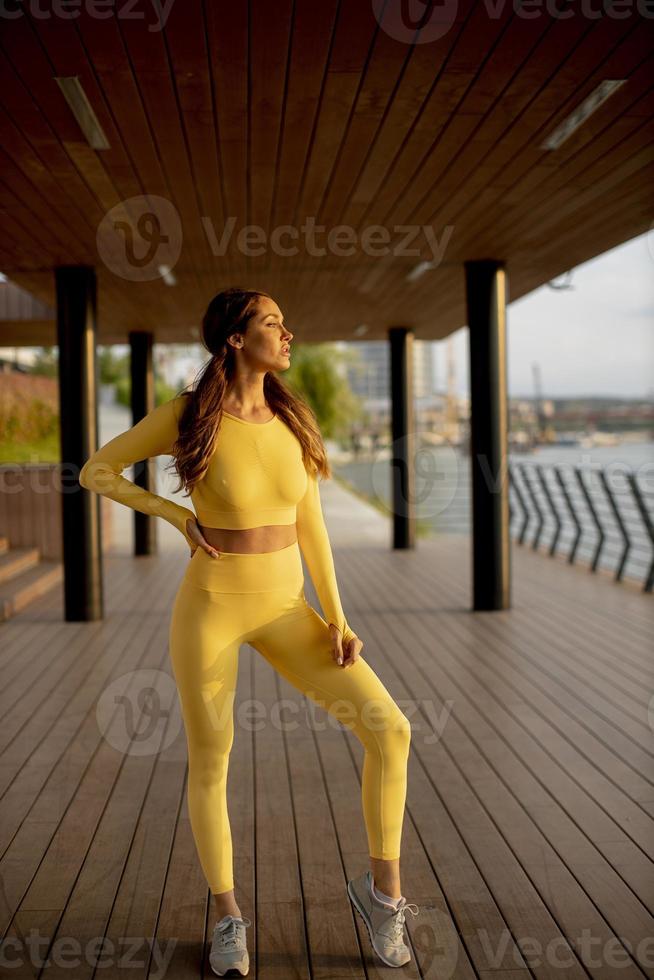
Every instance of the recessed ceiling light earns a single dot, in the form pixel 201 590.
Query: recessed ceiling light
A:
pixel 76 98
pixel 166 274
pixel 579 116
pixel 419 270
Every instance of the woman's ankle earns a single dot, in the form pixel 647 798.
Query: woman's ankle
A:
pixel 386 876
pixel 231 910
pixel 225 904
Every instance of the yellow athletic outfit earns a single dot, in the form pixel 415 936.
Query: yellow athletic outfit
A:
pixel 256 476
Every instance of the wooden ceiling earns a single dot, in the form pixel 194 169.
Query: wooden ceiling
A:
pixel 276 112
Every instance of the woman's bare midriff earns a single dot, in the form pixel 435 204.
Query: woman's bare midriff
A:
pixel 251 540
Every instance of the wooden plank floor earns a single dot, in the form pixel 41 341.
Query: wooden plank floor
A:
pixel 528 836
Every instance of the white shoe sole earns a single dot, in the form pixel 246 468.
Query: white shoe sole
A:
pixel 357 906
pixel 230 969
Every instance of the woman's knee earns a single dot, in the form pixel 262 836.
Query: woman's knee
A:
pixel 387 727
pixel 208 765
pixel 399 732
pixel 208 752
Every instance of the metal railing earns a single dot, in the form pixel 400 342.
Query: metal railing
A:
pixel 601 516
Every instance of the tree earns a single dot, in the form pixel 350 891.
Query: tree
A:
pixel 314 373
pixel 112 367
pixel 46 362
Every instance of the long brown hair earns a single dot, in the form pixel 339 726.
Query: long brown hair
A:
pixel 229 312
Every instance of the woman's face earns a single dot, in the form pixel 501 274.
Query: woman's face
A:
pixel 265 345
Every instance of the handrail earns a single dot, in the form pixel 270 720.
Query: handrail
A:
pixel 576 509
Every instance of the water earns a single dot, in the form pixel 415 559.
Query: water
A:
pixel 443 496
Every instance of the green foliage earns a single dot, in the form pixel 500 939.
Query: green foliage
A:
pixel 30 421
pixel 29 410
pixel 29 415
pixel 112 367
pixel 46 363
pixel 123 387
pixel 46 450
pixel 314 374
pixel 163 392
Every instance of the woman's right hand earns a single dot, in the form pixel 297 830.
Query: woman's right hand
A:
pixel 195 534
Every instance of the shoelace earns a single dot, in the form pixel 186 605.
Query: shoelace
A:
pixel 397 921
pixel 228 934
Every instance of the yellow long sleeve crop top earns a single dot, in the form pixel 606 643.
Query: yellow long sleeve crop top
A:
pixel 255 476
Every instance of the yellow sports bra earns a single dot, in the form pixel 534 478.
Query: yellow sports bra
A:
pixel 255 476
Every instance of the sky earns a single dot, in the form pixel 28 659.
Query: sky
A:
pixel 594 339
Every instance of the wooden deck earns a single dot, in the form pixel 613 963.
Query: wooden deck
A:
pixel 528 837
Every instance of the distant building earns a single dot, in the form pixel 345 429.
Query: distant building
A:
pixel 370 379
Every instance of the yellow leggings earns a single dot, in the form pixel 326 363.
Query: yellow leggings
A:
pixel 259 599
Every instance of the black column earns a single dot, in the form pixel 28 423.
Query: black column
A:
pixel 142 398
pixel 402 437
pixel 78 413
pixel 486 298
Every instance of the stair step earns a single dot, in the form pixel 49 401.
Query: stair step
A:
pixel 19 591
pixel 17 560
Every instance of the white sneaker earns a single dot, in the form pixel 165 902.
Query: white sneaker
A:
pixel 228 946
pixel 385 924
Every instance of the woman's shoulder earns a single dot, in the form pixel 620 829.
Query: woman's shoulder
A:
pixel 178 403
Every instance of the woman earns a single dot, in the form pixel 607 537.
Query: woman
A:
pixel 249 452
